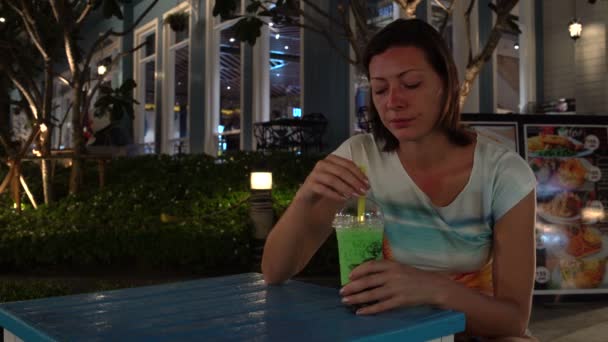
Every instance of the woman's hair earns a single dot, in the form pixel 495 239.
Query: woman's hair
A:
pixel 419 34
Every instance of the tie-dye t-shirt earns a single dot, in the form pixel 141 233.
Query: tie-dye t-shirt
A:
pixel 455 239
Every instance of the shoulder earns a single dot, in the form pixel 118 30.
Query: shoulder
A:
pixel 360 143
pixel 500 156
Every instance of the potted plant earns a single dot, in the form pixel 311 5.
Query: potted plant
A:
pixel 178 21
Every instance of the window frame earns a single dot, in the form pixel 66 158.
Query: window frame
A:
pixel 168 72
pixel 140 35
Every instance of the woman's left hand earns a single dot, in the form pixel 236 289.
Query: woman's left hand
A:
pixel 389 284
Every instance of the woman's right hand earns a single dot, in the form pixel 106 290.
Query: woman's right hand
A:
pixel 335 178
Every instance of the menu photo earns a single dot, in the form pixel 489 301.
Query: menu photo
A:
pixel 571 231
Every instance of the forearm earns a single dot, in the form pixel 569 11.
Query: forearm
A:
pixel 486 316
pixel 295 238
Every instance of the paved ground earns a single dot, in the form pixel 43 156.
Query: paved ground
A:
pixel 571 320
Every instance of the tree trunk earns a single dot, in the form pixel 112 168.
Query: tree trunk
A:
pixel 44 139
pixel 5 109
pixel 77 138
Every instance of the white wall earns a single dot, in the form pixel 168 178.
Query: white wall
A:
pixel 576 69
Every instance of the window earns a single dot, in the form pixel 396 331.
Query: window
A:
pixel 145 71
pixel 177 105
pixel 230 91
pixel 284 75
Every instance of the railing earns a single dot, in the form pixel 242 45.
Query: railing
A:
pixel 297 135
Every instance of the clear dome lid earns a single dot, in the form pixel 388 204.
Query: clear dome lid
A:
pixel 359 212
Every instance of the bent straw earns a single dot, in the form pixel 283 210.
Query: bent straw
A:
pixel 361 201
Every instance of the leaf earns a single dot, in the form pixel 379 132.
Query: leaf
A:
pixel 128 85
pixel 248 29
pixel 493 7
pixel 111 8
pixel 253 7
pixel 225 8
pixel 513 27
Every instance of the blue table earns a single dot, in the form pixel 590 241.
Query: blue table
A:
pixel 238 308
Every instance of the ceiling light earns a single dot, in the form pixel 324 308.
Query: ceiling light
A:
pixel 286 47
pixel 232 40
pixel 516 46
pixel 228 87
pixel 278 75
pixel 271 24
pixel 2 20
pixel 277 36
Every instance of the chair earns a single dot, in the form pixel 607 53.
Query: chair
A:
pixel 314 126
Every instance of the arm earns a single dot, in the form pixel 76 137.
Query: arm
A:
pixel 506 314
pixel 394 285
pixel 306 224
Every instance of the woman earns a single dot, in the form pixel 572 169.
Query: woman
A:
pixel 459 209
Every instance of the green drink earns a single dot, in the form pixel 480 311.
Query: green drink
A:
pixel 359 230
pixel 357 245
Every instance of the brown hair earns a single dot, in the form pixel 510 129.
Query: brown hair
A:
pixel 419 34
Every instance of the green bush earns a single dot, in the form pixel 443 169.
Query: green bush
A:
pixel 155 213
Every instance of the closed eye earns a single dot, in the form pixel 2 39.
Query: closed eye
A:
pixel 412 85
pixel 380 91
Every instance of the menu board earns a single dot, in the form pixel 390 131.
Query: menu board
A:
pixel 570 163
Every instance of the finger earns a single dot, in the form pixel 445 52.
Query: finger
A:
pixel 369 267
pixel 328 192
pixel 350 170
pixel 368 282
pixel 339 185
pixel 378 307
pixel 368 296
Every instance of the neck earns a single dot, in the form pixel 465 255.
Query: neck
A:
pixel 427 152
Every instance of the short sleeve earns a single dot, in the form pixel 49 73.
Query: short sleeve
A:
pixel 344 150
pixel 513 181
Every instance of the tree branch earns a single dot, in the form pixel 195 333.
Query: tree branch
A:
pixel 467 20
pixel 29 23
pixel 85 12
pixel 87 98
pixel 20 86
pixel 111 32
pixel 446 18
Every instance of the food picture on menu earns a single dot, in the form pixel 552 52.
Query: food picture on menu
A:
pixel 551 145
pixel 573 235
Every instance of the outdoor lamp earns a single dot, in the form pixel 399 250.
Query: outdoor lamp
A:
pixel 261 181
pixel 260 212
pixel 575 28
pixel 101 70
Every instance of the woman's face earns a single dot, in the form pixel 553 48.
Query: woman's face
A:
pixel 407 92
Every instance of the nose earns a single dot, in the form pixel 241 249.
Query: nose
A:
pixel 395 99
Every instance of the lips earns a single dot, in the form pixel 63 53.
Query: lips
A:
pixel 402 123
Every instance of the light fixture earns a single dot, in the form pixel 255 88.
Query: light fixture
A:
pixel 516 46
pixel 101 70
pixel 277 36
pixel 2 20
pixel 575 28
pixel 228 87
pixel 278 75
pixel 261 212
pixel 271 24
pixel 286 47
pixel 261 181
pixel 232 40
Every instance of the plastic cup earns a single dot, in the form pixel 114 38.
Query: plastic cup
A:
pixel 360 234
